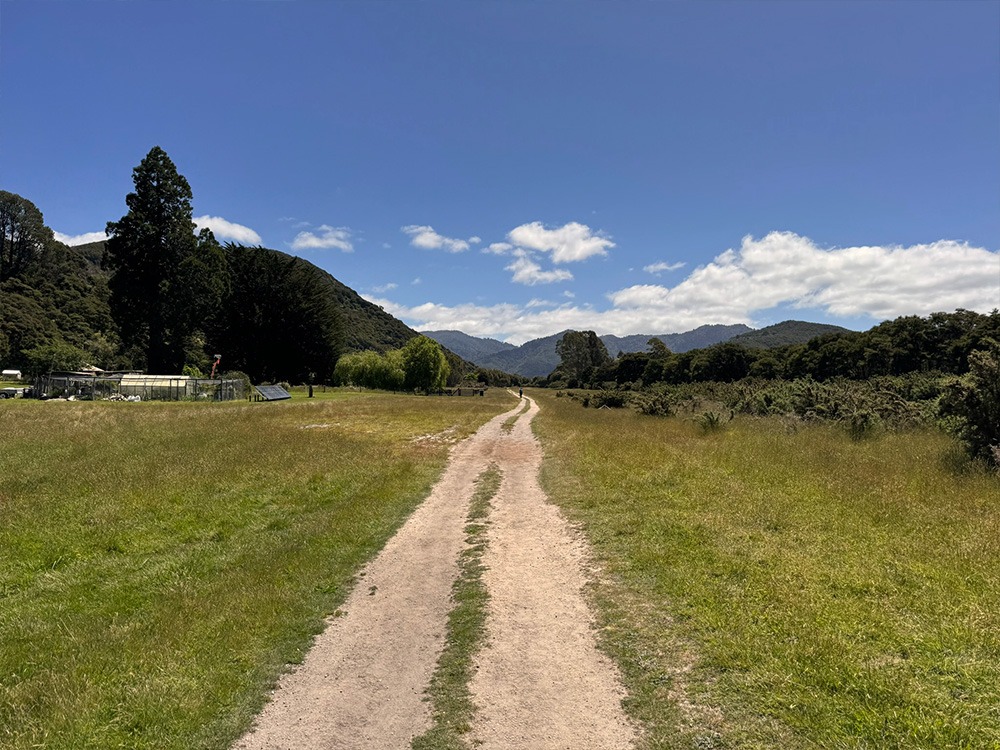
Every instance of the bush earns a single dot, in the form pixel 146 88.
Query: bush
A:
pixel 971 404
pixel 654 403
pixel 238 375
pixel 611 399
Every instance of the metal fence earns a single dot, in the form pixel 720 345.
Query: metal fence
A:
pixel 131 386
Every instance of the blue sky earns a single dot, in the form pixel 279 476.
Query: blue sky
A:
pixel 512 169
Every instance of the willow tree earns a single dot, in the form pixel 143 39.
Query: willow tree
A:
pixel 425 366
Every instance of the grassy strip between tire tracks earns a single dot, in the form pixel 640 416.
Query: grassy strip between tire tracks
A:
pixel 765 588
pixel 162 563
pixel 449 688
pixel 509 423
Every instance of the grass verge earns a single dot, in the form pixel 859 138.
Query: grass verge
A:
pixel 449 688
pixel 163 563
pixel 771 589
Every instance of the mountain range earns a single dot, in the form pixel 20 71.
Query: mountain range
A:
pixel 538 357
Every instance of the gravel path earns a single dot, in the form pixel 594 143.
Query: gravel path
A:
pixel 541 683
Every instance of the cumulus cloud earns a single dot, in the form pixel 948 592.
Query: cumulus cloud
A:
pixel 657 268
pixel 383 288
pixel 568 243
pixel 786 269
pixel 780 269
pixel 425 237
pixel 325 238
pixel 227 230
pixel 80 239
pixel 498 248
pixel 526 271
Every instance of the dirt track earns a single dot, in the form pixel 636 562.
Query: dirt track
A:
pixel 540 681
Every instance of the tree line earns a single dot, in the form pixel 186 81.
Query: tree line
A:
pixel 938 343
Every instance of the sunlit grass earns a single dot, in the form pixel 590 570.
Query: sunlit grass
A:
pixel 774 589
pixel 161 563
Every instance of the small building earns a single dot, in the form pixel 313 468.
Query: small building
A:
pixel 10 375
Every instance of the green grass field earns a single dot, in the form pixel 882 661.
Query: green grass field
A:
pixel 767 588
pixel 161 563
pixel 763 588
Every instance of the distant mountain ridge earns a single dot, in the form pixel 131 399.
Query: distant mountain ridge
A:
pixel 472 348
pixel 697 338
pixel 538 357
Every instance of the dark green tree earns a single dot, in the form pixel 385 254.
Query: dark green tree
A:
pixel 973 403
pixel 724 362
pixel 50 293
pixel 580 354
pixel 657 349
pixel 164 278
pixel 278 319
pixel 56 356
pixel 23 234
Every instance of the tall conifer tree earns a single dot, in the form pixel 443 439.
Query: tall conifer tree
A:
pixel 150 253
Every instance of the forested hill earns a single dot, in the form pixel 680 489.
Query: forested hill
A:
pixel 784 334
pixel 366 325
pixel 469 347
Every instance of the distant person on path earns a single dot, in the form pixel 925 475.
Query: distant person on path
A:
pixel 520 392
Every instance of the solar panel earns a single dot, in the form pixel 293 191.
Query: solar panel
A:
pixel 272 392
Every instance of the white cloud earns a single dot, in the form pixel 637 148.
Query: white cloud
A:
pixel 526 271
pixel 227 230
pixel 781 269
pixel 658 268
pixel 383 288
pixel 568 243
pixel 498 248
pixel 475 240
pixel 325 238
pixel 80 239
pixel 786 269
pixel 425 237
pixel 536 302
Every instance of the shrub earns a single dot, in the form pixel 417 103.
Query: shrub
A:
pixel 971 404
pixel 611 399
pixel 654 403
pixel 710 421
